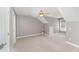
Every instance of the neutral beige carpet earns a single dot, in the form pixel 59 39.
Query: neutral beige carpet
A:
pixel 43 43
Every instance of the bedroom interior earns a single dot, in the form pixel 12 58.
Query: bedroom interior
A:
pixel 39 29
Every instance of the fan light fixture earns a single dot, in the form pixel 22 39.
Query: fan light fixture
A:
pixel 41 13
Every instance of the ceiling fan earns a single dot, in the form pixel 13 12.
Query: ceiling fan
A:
pixel 42 13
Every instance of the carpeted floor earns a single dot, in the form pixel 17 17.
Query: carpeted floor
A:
pixel 43 43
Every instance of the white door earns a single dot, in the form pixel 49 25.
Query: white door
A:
pixel 4 28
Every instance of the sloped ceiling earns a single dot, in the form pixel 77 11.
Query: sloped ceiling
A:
pixel 70 13
pixel 23 11
pixel 33 11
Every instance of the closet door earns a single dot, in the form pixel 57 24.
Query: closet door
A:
pixel 4 29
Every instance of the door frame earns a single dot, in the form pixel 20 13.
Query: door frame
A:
pixel 12 28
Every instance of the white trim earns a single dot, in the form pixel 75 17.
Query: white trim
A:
pixel 73 44
pixel 30 35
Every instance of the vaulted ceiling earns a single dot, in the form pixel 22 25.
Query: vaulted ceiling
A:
pixel 52 12
pixel 33 11
pixel 23 11
pixel 69 13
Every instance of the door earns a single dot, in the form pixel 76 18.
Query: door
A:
pixel 4 29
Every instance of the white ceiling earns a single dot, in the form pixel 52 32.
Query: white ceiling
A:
pixel 70 13
pixel 22 10
pixel 33 11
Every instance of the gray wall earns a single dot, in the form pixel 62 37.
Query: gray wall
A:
pixel 73 32
pixel 27 25
pixel 51 22
pixel 46 28
pixel 71 15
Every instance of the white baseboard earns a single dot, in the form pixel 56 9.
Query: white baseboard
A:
pixel 73 44
pixel 29 35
